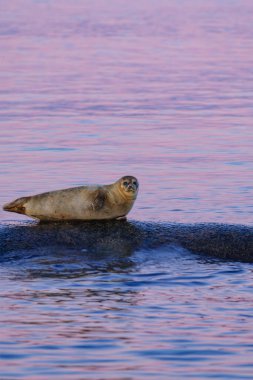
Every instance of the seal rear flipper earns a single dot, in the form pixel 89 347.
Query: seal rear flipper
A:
pixel 17 206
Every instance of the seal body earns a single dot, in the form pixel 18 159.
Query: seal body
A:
pixel 96 202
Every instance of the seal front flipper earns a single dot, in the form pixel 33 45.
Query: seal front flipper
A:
pixel 123 218
pixel 17 206
pixel 99 199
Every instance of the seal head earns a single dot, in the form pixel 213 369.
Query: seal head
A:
pixel 129 186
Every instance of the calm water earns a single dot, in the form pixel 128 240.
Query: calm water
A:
pixel 92 90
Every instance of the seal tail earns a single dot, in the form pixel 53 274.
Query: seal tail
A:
pixel 16 206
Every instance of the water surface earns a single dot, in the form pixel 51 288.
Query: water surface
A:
pixel 162 90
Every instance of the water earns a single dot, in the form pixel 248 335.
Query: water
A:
pixel 160 90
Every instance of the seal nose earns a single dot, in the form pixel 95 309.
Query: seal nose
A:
pixel 130 187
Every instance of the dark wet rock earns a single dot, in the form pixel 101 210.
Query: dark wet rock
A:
pixel 232 242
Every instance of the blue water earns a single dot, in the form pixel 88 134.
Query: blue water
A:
pixel 160 313
pixel 91 91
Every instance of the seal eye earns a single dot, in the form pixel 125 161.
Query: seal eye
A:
pixel 125 183
pixel 135 183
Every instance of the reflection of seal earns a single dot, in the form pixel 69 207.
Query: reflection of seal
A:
pixel 80 203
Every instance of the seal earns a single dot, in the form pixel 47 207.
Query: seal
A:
pixel 94 202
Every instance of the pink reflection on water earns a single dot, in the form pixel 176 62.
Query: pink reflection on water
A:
pixel 105 90
pixel 184 328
